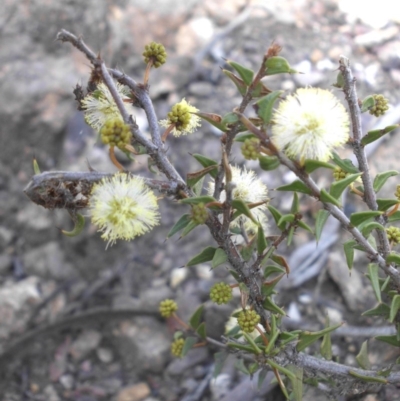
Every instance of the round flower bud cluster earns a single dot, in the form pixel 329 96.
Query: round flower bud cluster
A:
pixel 248 320
pixel 115 133
pixel 221 293
pixel 393 234
pixel 168 307
pixel 381 106
pixel 251 149
pixel 397 193
pixel 199 213
pixel 155 52
pixel 339 174
pixel 177 347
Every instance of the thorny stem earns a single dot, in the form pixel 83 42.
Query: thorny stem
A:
pixel 350 92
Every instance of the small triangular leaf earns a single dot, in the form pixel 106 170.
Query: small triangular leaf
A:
pixel 205 255
pixel 189 343
pixel 194 320
pixel 373 275
pixel 345 164
pixel 206 162
pixel 394 308
pixel 338 187
pixel 243 208
pixel 219 258
pixel 385 204
pixel 296 186
pixel 306 338
pixel 239 83
pixel 362 357
pixel 392 340
pixel 201 331
pixel 265 105
pixel 193 178
pixel 322 217
pixel 349 252
pixel 245 73
pixel 311 165
pixel 376 134
pixel 360 217
pixel 381 178
pixel 379 310
pixel 213 119
pixel 268 163
pixel 179 225
pixel 261 241
pixel 373 225
pixel 327 198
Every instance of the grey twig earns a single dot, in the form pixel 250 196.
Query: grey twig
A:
pixel 359 150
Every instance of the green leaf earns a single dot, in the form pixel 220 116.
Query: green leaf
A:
pixel 243 136
pixel 379 310
pixel 367 228
pixel 213 119
pixel 179 225
pixel 189 343
pixel 381 178
pixel 394 217
pixel 305 226
pixel 268 163
pixel 265 105
pixel 36 168
pixel 271 306
pixel 277 65
pixel 367 103
pixel 252 343
pixel 230 119
pixel 261 241
pixel 271 269
pixel 345 164
pixel 326 345
pixel 194 320
pixel 220 358
pixel 205 255
pixel 290 236
pixel 219 258
pixel 261 377
pixel 349 252
pixel 243 208
pixel 392 340
pixel 79 224
pixel 327 198
pixel 297 381
pixel 296 186
pixel 193 178
pixel 338 187
pixel 322 217
pixel 357 218
pixel 241 367
pixel 281 261
pixel 394 308
pixel 206 162
pixel 393 257
pixel 198 199
pixel 368 379
pixel 373 275
pixel 306 338
pixel 260 90
pixel 362 357
pixel 295 204
pixel 245 73
pixel 287 218
pixel 198 187
pixel 201 331
pixel 376 134
pixel 239 83
pixel 191 226
pixel 267 288
pixel 311 165
pixel 385 204
pixel 276 214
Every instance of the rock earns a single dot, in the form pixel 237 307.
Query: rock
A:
pixel 143 344
pixel 47 261
pixel 105 355
pixel 195 356
pixel 16 300
pixel 85 343
pixel 136 392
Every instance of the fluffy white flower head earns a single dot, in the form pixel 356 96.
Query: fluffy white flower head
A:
pixel 250 189
pixel 123 207
pixel 309 124
pixel 99 106
pixel 181 116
